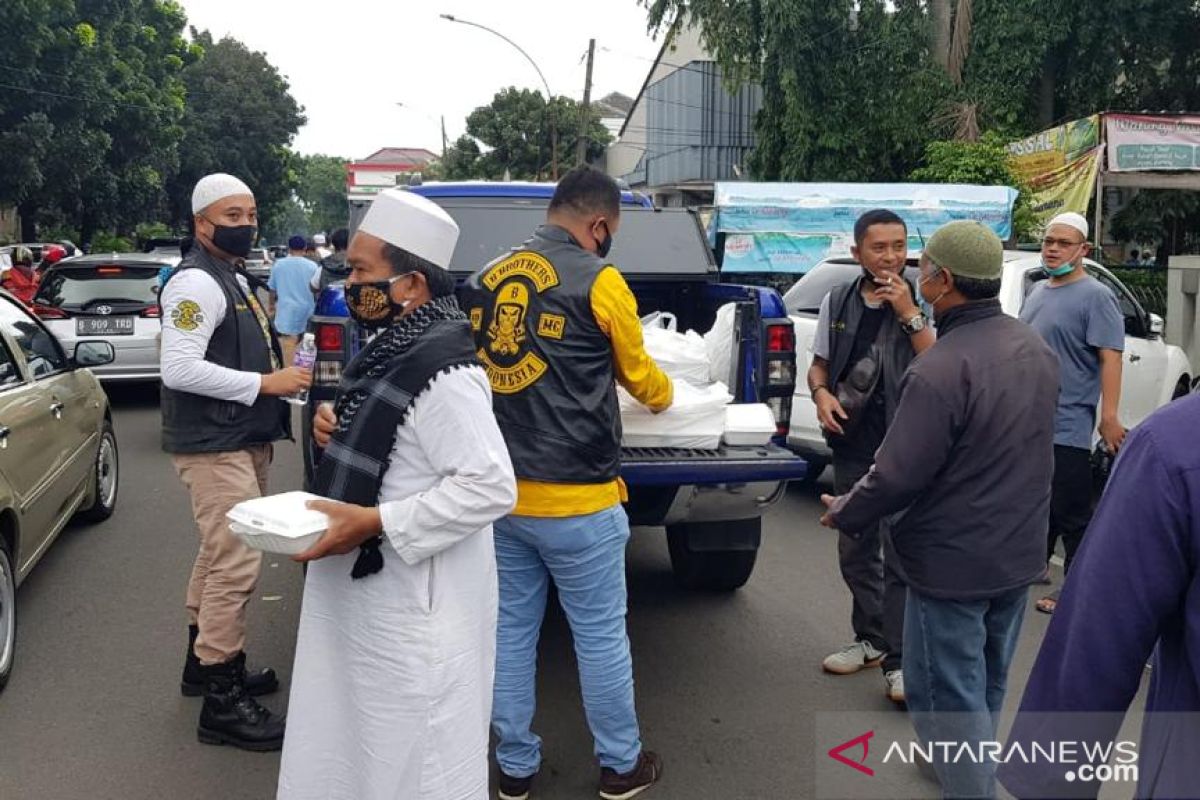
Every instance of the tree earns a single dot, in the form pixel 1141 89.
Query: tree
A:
pixel 854 90
pixel 982 163
pixel 321 191
pixel 516 130
pixel 90 110
pixel 240 118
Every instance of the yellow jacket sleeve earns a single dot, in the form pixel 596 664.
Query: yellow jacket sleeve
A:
pixel 615 310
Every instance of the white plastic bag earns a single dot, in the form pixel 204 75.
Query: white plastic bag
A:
pixel 718 343
pixel 681 355
pixel 695 420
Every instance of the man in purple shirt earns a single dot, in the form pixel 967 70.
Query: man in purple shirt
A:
pixel 1135 584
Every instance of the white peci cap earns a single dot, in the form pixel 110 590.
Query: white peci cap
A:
pixel 1071 220
pixel 412 223
pixel 217 186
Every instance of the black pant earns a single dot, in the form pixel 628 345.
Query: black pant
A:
pixel 869 572
pixel 1070 500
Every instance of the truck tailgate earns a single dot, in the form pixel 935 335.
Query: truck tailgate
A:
pixel 660 466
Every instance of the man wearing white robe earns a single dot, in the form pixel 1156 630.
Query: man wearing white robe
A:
pixel 392 690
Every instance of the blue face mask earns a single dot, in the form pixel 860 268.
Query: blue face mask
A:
pixel 1065 269
pixel 1058 272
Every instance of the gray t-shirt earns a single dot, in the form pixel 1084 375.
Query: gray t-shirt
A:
pixel 1077 320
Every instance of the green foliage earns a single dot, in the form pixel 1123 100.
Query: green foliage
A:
pixel 288 220
pixel 321 191
pixel 516 128
pixel 104 242
pixel 91 110
pixel 240 118
pixel 983 163
pixel 1170 218
pixel 854 90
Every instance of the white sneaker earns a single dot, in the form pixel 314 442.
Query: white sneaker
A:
pixel 852 658
pixel 894 680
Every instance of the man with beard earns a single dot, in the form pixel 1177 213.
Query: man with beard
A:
pixel 396 652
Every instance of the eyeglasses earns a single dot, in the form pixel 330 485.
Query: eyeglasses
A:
pixel 1063 243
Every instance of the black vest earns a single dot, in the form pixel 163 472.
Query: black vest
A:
pixel 846 309
pixel 549 363
pixel 194 423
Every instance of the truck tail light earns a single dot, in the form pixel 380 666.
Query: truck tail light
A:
pixel 782 407
pixel 151 312
pixel 781 372
pixel 327 373
pixel 330 338
pixel 781 338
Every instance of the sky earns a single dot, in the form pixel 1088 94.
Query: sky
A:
pixel 374 73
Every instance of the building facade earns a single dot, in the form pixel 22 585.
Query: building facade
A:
pixel 685 131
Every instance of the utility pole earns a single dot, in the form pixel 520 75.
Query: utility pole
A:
pixel 444 148
pixel 585 112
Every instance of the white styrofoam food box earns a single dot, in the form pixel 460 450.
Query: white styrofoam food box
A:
pixel 280 523
pixel 749 424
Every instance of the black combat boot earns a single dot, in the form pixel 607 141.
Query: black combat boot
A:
pixel 192 683
pixel 231 716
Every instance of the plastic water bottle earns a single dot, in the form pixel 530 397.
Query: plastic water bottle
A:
pixel 305 358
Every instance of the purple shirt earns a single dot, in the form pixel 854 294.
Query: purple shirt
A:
pixel 1135 583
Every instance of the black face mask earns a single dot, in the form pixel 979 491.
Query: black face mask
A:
pixel 605 244
pixel 236 240
pixel 370 304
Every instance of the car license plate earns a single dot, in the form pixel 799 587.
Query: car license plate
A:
pixel 103 326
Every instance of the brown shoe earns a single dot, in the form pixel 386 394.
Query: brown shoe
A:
pixel 511 788
pixel 614 786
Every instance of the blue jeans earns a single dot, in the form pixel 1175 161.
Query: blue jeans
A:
pixel 585 557
pixel 956 659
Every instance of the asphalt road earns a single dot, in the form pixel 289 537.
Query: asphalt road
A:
pixel 729 687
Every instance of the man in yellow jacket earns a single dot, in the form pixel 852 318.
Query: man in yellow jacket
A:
pixel 557 328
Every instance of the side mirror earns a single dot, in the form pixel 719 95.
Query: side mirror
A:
pixel 94 354
pixel 1157 325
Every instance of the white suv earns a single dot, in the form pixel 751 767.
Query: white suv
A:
pixel 1154 374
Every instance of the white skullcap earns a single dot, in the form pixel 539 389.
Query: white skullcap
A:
pixel 217 186
pixel 412 223
pixel 1071 220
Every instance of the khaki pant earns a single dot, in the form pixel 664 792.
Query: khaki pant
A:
pixel 288 345
pixel 226 571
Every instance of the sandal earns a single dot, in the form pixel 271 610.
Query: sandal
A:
pixel 1048 604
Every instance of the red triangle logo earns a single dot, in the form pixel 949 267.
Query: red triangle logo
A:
pixel 860 764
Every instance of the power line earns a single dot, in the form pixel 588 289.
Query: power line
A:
pixel 62 96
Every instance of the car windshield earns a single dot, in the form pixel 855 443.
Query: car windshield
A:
pixel 79 287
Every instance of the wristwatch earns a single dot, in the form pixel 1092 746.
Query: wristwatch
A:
pixel 914 324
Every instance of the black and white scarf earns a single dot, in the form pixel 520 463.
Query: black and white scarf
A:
pixel 376 393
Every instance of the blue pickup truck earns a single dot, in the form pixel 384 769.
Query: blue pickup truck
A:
pixel 711 503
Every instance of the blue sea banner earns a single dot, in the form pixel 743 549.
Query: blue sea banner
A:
pixel 830 209
pixel 793 253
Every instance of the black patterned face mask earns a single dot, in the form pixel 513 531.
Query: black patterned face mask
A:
pixel 370 304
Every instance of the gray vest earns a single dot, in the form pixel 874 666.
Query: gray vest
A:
pixel 846 309
pixel 549 363
pixel 193 423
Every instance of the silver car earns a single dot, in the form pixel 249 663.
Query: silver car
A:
pixel 113 298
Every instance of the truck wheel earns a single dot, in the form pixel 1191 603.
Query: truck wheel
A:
pixel 1182 388
pixel 714 556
